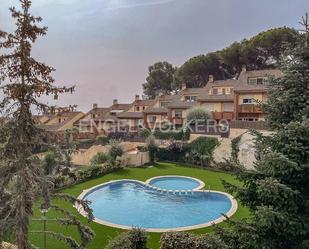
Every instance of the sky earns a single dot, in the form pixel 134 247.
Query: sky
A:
pixel 104 47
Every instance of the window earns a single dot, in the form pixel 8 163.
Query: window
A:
pixel 59 120
pixel 152 119
pixel 258 81
pixel 190 98
pixel 144 108
pixel 252 81
pixel 228 107
pixel 215 91
pixel 113 113
pixel 137 108
pixel 223 91
pixel 164 104
pixel 247 101
pixel 93 116
pixel 178 113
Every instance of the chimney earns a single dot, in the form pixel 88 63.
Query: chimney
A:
pixel 244 68
pixel 183 86
pixel 95 106
pixel 211 78
pixel 115 102
pixel 137 97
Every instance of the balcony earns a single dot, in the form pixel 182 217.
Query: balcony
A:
pixel 249 108
pixel 223 115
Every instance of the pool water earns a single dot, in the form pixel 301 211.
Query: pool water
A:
pixel 134 204
pixel 175 183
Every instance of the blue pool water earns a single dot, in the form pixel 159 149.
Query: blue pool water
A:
pixel 175 183
pixel 135 204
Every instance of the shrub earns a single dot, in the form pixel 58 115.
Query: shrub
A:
pixel 175 152
pixel 235 148
pixel 181 240
pixel 177 240
pixel 115 150
pixel 152 148
pixel 100 158
pixel 133 239
pixel 204 145
pixel 198 113
pixel 172 135
pixel 85 174
pixel 144 133
pixel 103 140
pixel 201 151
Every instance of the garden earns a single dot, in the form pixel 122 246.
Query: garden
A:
pixel 212 179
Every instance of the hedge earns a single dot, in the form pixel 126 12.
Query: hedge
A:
pixel 174 135
pixel 82 175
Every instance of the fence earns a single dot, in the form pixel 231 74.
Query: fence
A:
pixel 257 125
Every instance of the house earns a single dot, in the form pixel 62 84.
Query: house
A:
pixel 250 90
pixel 179 107
pixel 62 121
pixel 102 120
pixel 218 98
pixel 90 122
pixel 134 116
pixel 158 113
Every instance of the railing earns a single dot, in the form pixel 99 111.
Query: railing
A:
pixel 257 125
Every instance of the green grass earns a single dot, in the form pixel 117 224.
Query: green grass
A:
pixel 104 233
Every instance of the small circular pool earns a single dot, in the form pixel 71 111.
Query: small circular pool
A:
pixel 176 183
pixel 130 203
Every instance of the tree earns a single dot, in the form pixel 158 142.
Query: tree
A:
pixel 152 148
pixel 23 81
pixel 198 114
pixel 195 72
pixel 277 192
pixel 261 51
pixel 160 79
pixel 100 158
pixel 116 149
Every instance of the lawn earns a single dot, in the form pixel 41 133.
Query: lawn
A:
pixel 104 233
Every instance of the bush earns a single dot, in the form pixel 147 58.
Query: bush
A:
pixel 100 158
pixel 177 240
pixel 115 150
pixel 82 175
pixel 235 148
pixel 181 240
pixel 198 114
pixel 103 140
pixel 201 151
pixel 174 152
pixel 204 145
pixel 152 148
pixel 133 239
pixel 172 135
pixel 144 133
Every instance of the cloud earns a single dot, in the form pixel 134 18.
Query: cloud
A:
pixel 104 4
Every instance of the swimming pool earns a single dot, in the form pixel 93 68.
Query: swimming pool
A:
pixel 130 203
pixel 176 183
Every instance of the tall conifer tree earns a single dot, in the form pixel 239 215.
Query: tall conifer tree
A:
pixel 23 81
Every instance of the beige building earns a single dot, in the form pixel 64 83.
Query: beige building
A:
pixel 250 91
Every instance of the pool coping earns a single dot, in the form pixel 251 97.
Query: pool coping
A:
pixel 231 212
pixel 202 184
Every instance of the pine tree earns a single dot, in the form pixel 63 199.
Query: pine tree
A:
pixel 277 192
pixel 23 81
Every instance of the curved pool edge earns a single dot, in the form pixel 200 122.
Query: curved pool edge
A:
pixel 202 184
pixel 230 213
